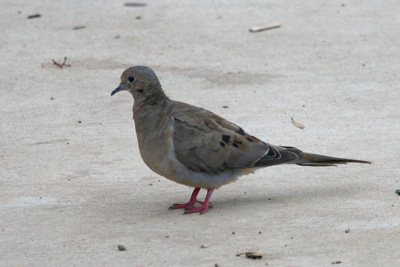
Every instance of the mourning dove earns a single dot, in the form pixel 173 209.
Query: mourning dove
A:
pixel 197 148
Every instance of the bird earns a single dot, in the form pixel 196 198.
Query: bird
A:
pixel 196 147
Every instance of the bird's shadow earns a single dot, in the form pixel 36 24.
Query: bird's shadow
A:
pixel 272 197
pixel 229 201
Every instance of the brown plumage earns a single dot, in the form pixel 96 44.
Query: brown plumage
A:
pixel 196 147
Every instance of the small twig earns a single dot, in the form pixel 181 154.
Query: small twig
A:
pixel 297 124
pixel 34 16
pixel 135 4
pixel 79 27
pixel 264 28
pixel 61 65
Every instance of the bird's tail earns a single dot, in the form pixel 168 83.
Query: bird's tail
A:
pixel 309 159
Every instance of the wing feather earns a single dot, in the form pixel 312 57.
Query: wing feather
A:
pixel 207 142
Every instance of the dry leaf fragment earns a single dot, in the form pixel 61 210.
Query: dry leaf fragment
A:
pixel 252 254
pixel 297 124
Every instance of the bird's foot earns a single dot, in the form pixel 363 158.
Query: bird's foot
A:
pixel 202 209
pixel 189 205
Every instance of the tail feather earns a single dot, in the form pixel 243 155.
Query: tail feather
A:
pixel 290 155
pixel 309 159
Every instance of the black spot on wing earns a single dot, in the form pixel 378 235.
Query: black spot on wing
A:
pixel 235 145
pixel 222 144
pixel 240 131
pixel 226 138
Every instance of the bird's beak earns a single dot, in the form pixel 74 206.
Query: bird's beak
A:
pixel 121 87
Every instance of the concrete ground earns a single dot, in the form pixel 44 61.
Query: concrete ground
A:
pixel 73 185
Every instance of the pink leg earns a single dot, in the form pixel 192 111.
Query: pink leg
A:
pixel 190 204
pixel 205 205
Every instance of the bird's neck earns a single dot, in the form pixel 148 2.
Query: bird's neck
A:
pixel 150 118
pixel 145 106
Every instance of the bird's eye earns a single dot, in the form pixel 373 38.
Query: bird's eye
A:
pixel 131 79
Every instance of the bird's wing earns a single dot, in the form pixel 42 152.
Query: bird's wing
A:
pixel 206 142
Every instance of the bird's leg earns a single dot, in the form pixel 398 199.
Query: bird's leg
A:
pixel 190 204
pixel 205 205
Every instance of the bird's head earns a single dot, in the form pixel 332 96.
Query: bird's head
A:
pixel 142 83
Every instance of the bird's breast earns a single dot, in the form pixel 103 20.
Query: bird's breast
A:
pixel 155 143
